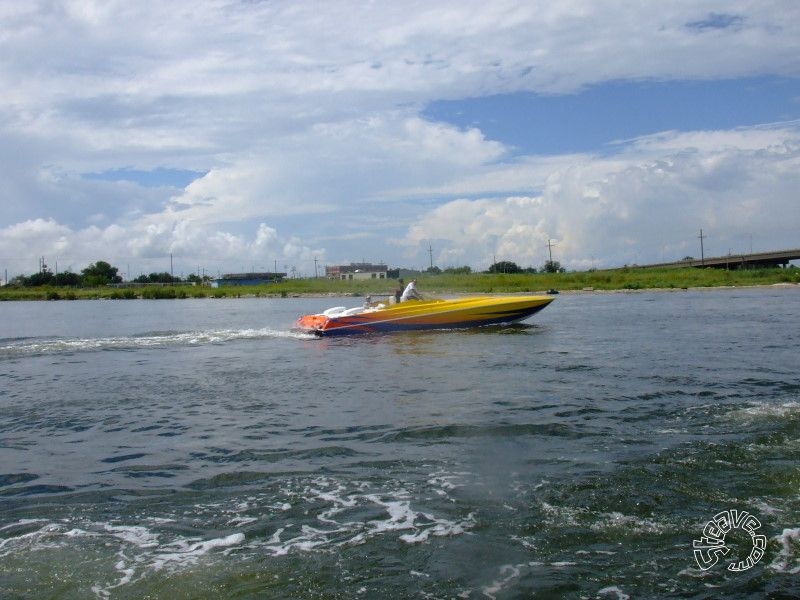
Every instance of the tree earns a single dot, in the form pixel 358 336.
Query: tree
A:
pixel 43 277
pixel 67 278
pixel 553 266
pixel 165 277
pixel 505 266
pixel 100 273
pixel 197 280
pixel 162 277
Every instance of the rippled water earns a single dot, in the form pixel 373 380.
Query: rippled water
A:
pixel 201 449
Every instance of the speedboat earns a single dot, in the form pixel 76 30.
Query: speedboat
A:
pixel 457 313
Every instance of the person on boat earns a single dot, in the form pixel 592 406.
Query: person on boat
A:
pixel 410 293
pixel 398 293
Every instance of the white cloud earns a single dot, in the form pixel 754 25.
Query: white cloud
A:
pixel 638 206
pixel 147 247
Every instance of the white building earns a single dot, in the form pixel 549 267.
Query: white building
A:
pixel 355 271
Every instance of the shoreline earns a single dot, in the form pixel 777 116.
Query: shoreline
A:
pixel 208 293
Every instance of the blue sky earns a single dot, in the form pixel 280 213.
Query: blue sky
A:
pixel 531 123
pixel 232 134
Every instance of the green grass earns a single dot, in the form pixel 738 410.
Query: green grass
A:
pixel 478 283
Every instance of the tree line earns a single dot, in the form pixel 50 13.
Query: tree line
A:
pixel 507 266
pixel 98 274
pixel 503 266
pixel 102 273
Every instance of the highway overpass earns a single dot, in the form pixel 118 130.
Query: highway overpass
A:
pixel 778 258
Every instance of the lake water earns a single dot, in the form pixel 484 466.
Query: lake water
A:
pixel 200 449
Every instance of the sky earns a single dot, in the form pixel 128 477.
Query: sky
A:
pixel 246 135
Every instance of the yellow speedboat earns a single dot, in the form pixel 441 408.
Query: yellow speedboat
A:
pixel 474 311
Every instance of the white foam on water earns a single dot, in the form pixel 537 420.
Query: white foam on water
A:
pixel 441 528
pixel 27 537
pixel 22 523
pixel 788 560
pixel 327 515
pixel 508 573
pixel 562 515
pixel 400 516
pixel 240 521
pixel 615 591
pixel 138 549
pixel 631 524
pixel 765 410
pixel 446 481
pixel 157 340
pixel 174 556
pixel 696 573
pixel 378 514
pixel 308 540
pixel 135 535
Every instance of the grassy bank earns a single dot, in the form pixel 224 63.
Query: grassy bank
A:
pixel 478 283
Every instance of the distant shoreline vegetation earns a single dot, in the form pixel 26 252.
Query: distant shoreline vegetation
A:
pixel 433 283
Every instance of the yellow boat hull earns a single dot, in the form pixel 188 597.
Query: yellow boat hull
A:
pixel 474 311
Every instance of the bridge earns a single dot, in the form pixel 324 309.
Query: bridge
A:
pixel 779 258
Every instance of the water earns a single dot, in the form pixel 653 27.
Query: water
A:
pixel 200 449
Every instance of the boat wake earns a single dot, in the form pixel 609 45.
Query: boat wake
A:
pixel 301 516
pixel 16 347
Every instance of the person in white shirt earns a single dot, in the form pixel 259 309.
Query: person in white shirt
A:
pixel 410 293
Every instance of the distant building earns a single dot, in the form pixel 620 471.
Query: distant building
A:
pixel 356 271
pixel 232 279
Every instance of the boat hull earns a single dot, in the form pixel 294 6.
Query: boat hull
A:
pixel 435 314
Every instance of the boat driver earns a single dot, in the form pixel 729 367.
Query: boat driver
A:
pixel 410 293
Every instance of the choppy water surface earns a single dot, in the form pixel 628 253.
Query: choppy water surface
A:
pixel 200 449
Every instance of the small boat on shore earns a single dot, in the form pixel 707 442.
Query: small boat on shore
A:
pixel 459 313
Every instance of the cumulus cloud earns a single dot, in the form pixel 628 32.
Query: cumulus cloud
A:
pixel 644 204
pixel 146 247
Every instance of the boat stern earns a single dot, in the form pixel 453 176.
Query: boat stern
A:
pixel 311 323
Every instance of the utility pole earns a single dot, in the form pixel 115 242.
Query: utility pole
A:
pixel 315 268
pixel 430 253
pixel 550 249
pixel 702 252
